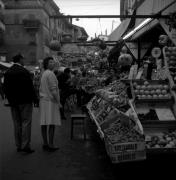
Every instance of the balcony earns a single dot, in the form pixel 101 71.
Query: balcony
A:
pixel 31 24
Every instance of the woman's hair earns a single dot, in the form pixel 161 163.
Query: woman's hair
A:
pixel 46 62
pixel 67 70
pixel 17 58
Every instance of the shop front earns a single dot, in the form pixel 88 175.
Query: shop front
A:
pixel 152 106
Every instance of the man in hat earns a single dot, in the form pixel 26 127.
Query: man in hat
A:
pixel 20 93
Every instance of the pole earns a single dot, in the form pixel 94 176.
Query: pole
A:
pixel 110 16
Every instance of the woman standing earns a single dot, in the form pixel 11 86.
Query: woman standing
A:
pixel 49 104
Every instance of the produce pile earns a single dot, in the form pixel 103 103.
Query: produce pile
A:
pixel 116 86
pixel 97 104
pixel 124 75
pixel 170 53
pixel 146 90
pixel 115 94
pixel 121 128
pixel 117 132
pixel 163 140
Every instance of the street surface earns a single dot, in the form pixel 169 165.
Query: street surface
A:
pixel 75 160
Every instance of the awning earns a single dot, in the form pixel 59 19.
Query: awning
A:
pixel 119 31
pixel 165 7
pixel 150 25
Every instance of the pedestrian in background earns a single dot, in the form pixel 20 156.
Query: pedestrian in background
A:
pixel 49 104
pixel 20 93
pixel 64 80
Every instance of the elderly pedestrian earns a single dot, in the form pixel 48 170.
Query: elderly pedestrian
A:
pixel 20 93
pixel 49 104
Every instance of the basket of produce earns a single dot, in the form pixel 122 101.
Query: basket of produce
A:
pixel 124 139
pixel 151 91
pixel 116 95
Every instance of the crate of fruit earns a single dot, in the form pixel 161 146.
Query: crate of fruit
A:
pixel 123 135
pixel 162 141
pixel 151 90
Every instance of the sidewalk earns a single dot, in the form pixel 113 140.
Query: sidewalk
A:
pixel 75 160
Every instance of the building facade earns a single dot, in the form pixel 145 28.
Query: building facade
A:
pixel 2 30
pixel 30 29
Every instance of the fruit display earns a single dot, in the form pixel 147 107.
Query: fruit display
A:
pixel 161 140
pixel 117 87
pixel 170 54
pixel 122 129
pixel 151 90
pixel 119 133
pixel 115 94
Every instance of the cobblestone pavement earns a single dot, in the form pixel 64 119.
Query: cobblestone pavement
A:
pixel 75 160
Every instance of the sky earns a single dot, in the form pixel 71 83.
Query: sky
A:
pixel 92 7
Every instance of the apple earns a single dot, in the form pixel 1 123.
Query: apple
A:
pixel 154 86
pixel 149 87
pixel 141 91
pixel 158 91
pixel 134 84
pixel 166 87
pixel 146 83
pixel 138 87
pixel 143 87
pixel 164 92
pixel 146 92
pixel 155 96
pixel 160 96
pixel 149 96
pixel 143 96
pixel 152 92
pixel 160 86
pixel 136 91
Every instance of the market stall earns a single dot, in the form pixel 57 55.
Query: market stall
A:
pixel 118 123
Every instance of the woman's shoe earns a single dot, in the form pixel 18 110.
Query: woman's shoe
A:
pixel 45 147
pixel 49 149
pixel 53 148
